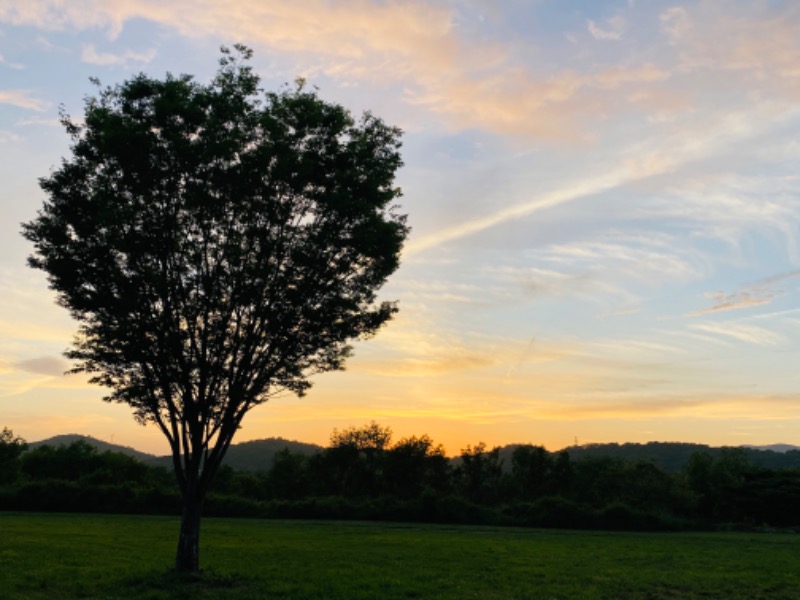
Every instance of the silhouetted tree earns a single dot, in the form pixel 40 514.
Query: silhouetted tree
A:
pixel 715 480
pixel 11 447
pixel 561 474
pixel 599 480
pixel 369 439
pixel 288 477
pixel 531 468
pixel 415 464
pixel 731 468
pixel 648 487
pixel 698 471
pixel 354 460
pixel 480 473
pixel 71 461
pixel 217 246
pixel 81 461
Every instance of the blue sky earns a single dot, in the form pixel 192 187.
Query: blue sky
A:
pixel 603 196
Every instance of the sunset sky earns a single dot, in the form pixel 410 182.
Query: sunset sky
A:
pixel 604 196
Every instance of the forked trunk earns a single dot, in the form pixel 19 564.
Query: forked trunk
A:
pixel 194 475
pixel 187 559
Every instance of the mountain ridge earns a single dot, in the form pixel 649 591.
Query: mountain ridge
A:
pixel 252 455
pixel 258 455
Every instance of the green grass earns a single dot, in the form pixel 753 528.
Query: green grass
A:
pixel 89 556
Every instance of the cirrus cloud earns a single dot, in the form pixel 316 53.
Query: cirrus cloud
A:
pixel 612 29
pixel 92 56
pixel 752 334
pixel 22 99
pixel 43 365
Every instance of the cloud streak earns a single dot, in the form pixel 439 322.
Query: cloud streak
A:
pixel 472 83
pixel 733 301
pixel 752 334
pixel 612 30
pixel 755 294
pixel 578 190
pixel 92 56
pixel 43 365
pixel 641 161
pixel 13 65
pixel 23 99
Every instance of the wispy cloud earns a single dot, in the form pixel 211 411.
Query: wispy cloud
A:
pixel 755 294
pixel 37 121
pixel 733 301
pixel 677 23
pixel 415 344
pixel 611 30
pixel 701 406
pixel 9 137
pixel 683 335
pixel 11 386
pixel 92 56
pixel 13 65
pixel 631 348
pixel 648 258
pixel 469 82
pixel 744 332
pixel 423 367
pixel 564 107
pixel 549 282
pixel 775 279
pixel 757 39
pixel 640 161
pixel 576 190
pixel 472 83
pixel 44 365
pixel 443 291
pixel 23 99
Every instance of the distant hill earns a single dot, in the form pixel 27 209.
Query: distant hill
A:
pixel 672 456
pixel 669 456
pixel 776 447
pixel 69 438
pixel 255 455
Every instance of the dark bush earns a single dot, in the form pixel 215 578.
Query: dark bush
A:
pixel 620 517
pixel 556 511
pixel 218 505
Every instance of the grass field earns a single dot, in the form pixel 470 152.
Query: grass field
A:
pixel 90 556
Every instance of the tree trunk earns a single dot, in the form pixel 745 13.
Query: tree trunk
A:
pixel 187 559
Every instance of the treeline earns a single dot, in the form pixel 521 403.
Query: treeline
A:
pixel 363 475
pixel 673 457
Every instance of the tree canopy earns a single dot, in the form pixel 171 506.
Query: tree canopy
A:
pixel 11 447
pixel 217 245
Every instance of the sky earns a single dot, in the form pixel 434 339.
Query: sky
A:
pixel 604 198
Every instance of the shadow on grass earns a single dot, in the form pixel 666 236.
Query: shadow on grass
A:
pixel 159 585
